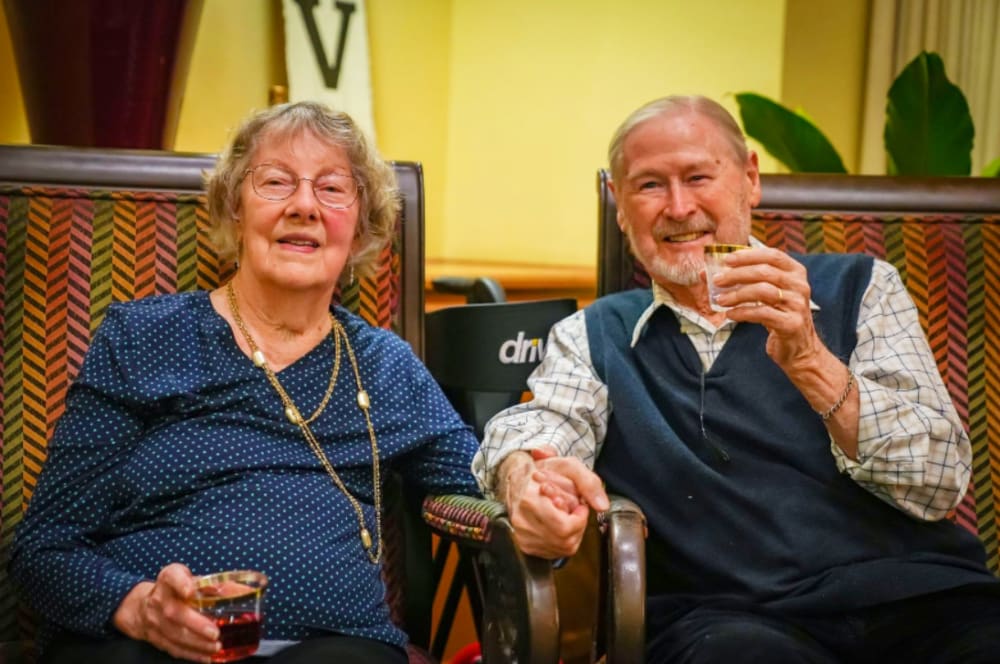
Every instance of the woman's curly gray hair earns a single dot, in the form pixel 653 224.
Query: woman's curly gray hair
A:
pixel 378 194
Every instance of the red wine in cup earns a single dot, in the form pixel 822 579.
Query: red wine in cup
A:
pixel 239 634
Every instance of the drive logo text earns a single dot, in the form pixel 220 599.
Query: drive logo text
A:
pixel 521 350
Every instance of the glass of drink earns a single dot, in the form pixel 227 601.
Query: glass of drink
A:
pixel 235 600
pixel 715 263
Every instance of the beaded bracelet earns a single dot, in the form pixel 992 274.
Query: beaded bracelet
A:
pixel 827 414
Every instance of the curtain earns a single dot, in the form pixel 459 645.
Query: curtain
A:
pixel 966 34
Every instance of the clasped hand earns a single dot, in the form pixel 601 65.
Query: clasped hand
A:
pixel 549 499
pixel 158 612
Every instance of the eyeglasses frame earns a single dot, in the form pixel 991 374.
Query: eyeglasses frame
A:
pixel 298 180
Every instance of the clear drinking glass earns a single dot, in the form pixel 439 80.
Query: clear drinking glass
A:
pixel 235 600
pixel 715 255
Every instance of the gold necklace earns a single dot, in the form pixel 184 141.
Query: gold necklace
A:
pixel 293 415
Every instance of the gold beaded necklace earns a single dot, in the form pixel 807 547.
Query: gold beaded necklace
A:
pixel 293 415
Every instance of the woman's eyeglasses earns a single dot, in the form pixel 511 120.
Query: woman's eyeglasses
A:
pixel 276 183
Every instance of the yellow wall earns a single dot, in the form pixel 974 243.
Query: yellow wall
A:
pixel 508 105
pixel 538 86
pixel 13 124
pixel 824 68
pixel 237 58
pixel 410 45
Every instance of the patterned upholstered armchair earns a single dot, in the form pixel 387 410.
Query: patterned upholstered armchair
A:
pixel 943 235
pixel 81 228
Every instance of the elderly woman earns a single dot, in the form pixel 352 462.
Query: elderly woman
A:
pixel 248 427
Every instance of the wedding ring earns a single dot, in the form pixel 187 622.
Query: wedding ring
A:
pixel 781 295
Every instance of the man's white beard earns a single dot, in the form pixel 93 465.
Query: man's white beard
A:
pixel 686 273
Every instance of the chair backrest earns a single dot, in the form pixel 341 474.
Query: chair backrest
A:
pixel 82 228
pixel 482 354
pixel 942 234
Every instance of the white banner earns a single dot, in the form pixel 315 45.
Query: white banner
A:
pixel 326 53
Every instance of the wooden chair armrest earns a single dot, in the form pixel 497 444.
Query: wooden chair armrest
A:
pixel 621 628
pixel 520 620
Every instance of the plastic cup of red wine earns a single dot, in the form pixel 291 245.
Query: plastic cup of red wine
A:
pixel 235 601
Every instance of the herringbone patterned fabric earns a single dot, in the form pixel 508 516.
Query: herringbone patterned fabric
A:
pixel 951 267
pixel 66 254
pixel 941 260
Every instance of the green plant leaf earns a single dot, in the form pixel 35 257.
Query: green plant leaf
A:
pixel 928 127
pixel 992 169
pixel 787 136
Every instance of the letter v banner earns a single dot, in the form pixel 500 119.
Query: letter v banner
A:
pixel 326 53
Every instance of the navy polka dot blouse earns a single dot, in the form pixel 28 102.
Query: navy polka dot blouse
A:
pixel 175 448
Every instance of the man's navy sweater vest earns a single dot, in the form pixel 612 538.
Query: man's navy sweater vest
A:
pixel 734 471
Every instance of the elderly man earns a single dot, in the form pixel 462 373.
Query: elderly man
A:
pixel 795 454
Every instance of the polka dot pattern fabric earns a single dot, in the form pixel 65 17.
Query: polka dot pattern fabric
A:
pixel 175 448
